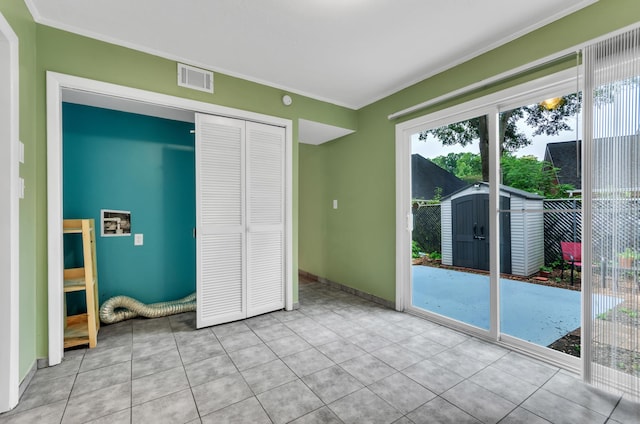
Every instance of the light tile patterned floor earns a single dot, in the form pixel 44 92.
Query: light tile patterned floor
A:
pixel 338 359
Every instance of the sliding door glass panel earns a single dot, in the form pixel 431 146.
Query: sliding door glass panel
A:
pixel 450 201
pixel 540 222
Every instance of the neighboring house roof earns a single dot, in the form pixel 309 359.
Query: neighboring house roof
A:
pixel 565 156
pixel 503 189
pixel 426 176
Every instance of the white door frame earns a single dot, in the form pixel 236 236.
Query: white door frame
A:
pixel 9 217
pixel 56 83
pixel 563 81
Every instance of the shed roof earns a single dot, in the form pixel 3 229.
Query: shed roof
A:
pixel 504 188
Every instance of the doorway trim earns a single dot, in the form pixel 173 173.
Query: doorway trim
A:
pixel 56 84
pixel 10 215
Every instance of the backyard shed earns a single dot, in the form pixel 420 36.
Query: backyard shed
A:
pixel 465 229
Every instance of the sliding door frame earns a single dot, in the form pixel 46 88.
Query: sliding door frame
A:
pixel 490 105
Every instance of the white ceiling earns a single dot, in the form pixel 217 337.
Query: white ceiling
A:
pixel 348 52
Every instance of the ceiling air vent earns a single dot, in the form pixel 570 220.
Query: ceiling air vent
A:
pixel 195 78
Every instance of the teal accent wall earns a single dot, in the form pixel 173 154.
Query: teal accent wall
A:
pixel 146 165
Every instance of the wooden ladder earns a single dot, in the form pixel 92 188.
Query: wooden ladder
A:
pixel 83 328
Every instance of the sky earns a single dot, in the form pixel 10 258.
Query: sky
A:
pixel 432 148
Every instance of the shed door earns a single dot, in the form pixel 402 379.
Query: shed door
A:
pixel 470 222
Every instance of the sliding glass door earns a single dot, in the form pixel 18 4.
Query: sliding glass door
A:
pixel 450 206
pixel 540 174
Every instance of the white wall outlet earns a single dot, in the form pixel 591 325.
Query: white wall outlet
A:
pixel 138 239
pixel 335 203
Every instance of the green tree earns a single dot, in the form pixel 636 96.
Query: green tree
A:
pixel 547 121
pixel 466 166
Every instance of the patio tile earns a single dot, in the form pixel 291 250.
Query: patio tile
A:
pixel 190 353
pixel 479 402
pixel 209 369
pixel 626 411
pixel 236 341
pixel 288 402
pixel 323 415
pixel 439 411
pixel 220 393
pixel 50 413
pixel 288 345
pixel 432 376
pixel 397 356
pixel 364 406
pixel 101 378
pixel 480 351
pixel 332 383
pixel 158 385
pixel 458 362
pixel 445 336
pixel 152 346
pixel 98 403
pixel 503 384
pixel 402 392
pixel 252 356
pixel 319 336
pixel 106 357
pixel 307 362
pixel 236 327
pixel 261 321
pixel 422 346
pixel 69 366
pixel 340 350
pixel 156 363
pixel 246 411
pixel 559 410
pixel 369 342
pixel 571 388
pixel 367 368
pixel 175 408
pixel 45 392
pixel 393 333
pixel 529 370
pixel 267 376
pixel 120 417
pixel 274 331
pixel 522 416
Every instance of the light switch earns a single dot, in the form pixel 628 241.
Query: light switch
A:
pixel 21 151
pixel 335 203
pixel 21 187
pixel 138 239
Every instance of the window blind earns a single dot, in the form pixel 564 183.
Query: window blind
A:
pixel 611 341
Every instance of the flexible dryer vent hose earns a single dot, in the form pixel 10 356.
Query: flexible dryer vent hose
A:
pixel 120 308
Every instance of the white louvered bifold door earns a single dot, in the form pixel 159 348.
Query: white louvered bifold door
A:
pixel 265 218
pixel 220 220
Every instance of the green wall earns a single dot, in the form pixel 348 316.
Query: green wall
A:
pixel 355 244
pixel 144 165
pixel 17 14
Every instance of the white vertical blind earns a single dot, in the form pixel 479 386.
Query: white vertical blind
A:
pixel 612 213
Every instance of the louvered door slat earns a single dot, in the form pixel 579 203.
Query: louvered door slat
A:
pixel 220 209
pixel 265 218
